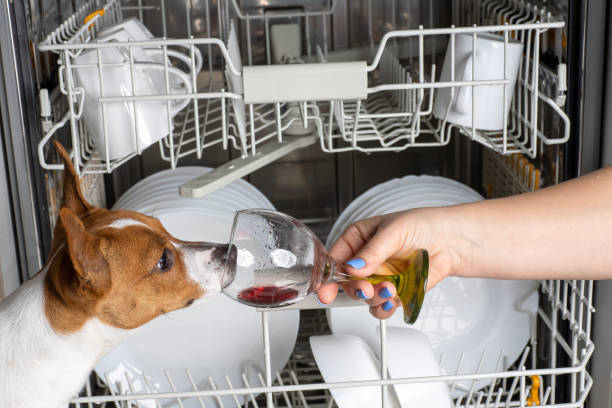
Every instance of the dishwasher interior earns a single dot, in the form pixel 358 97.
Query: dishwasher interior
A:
pixel 314 103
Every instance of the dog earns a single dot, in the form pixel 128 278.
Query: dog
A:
pixel 109 272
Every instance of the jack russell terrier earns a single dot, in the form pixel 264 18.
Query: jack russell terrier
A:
pixel 109 272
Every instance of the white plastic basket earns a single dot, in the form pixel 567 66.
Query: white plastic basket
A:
pixel 393 113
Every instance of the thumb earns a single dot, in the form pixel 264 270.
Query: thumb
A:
pixel 382 246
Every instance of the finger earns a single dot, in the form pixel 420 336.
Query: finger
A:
pixel 381 246
pixel 385 310
pixel 353 239
pixel 327 293
pixel 358 289
pixel 383 292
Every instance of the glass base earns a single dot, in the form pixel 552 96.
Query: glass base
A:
pixel 413 298
pixel 408 275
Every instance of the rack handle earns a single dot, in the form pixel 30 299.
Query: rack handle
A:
pixel 91 16
pixel 534 396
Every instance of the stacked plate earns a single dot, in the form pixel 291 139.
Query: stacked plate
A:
pixel 214 339
pixel 401 194
pixel 474 325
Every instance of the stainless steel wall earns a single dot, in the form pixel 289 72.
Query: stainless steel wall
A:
pixel 9 267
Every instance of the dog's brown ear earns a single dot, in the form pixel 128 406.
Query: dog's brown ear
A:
pixel 73 196
pixel 85 254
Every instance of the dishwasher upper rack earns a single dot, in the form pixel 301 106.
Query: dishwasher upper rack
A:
pixel 564 321
pixel 392 115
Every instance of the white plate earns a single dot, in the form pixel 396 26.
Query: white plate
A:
pixel 400 197
pixel 228 203
pixel 348 358
pixel 404 181
pixel 168 188
pixel 417 200
pixel 212 211
pixel 171 179
pixel 170 191
pixel 379 194
pixel 406 196
pixel 166 185
pixel 459 314
pixel 412 356
pixel 215 338
pixel 143 184
pixel 212 339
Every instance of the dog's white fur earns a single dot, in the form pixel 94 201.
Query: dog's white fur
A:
pixel 45 369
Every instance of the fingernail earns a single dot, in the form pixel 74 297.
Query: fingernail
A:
pixel 384 293
pixel 356 263
pixel 361 295
pixel 319 301
pixel 387 305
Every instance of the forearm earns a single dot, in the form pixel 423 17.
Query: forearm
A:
pixel 561 232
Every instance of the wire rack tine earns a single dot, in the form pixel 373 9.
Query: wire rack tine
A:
pixel 285 395
pixel 213 386
pixel 150 388
pixel 128 379
pixel 171 382
pixel 478 369
pixel 110 388
pixel 247 385
pixel 295 381
pixel 194 386
pixel 234 396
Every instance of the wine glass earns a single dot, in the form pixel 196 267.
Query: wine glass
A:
pixel 279 261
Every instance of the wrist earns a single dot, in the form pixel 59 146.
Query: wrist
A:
pixel 451 239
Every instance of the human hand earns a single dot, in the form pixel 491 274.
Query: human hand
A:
pixel 366 244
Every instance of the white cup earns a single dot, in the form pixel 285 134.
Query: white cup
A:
pixel 134 27
pixel 488 64
pixel 128 125
pixel 134 30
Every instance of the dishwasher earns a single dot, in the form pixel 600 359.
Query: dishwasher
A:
pixel 314 102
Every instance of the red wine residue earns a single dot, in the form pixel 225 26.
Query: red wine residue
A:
pixel 267 295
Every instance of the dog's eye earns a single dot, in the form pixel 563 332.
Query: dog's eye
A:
pixel 165 262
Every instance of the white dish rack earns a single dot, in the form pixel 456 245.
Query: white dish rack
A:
pixel 565 316
pixel 395 114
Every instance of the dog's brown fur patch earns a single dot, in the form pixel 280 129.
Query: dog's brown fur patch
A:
pixel 110 273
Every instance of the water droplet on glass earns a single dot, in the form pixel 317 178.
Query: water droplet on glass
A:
pixel 283 258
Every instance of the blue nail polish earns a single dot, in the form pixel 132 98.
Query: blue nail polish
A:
pixel 387 305
pixel 361 295
pixel 384 293
pixel 356 263
pixel 319 301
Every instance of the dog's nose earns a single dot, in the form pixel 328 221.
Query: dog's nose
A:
pixel 227 255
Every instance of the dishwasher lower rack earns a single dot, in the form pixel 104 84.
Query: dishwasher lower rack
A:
pixel 557 356
pixel 394 110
